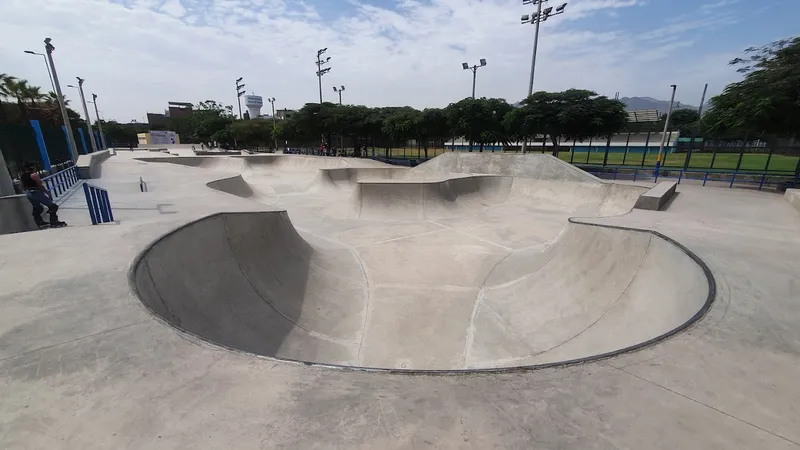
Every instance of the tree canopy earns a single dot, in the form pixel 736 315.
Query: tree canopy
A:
pixel 767 100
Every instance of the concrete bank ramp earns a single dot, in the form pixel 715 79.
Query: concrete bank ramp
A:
pixel 250 281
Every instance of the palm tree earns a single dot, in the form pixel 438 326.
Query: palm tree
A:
pixel 6 82
pixel 52 97
pixel 33 93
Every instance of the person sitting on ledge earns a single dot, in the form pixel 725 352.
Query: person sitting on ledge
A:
pixel 38 195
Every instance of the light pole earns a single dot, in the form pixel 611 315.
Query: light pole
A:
pixel 664 134
pixel 86 113
pixel 239 94
pixel 274 124
pixel 70 137
pixel 474 69
pixel 339 90
pixel 537 19
pixel 31 52
pixel 99 123
pixel 341 136
pixel 320 71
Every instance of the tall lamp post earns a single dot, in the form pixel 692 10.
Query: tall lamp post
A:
pixel 31 52
pixel 70 137
pixel 537 19
pixel 341 136
pixel 664 134
pixel 239 94
pixel 99 123
pixel 474 70
pixel 274 124
pixel 85 112
pixel 320 71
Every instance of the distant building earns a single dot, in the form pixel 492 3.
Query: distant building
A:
pixel 175 110
pixel 158 137
pixel 283 114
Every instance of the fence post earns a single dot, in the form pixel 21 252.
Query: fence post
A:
pixel 42 146
pixel 769 157
pixel 646 148
pixel 667 152
pixel 90 204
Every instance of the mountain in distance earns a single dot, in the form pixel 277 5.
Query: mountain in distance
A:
pixel 642 103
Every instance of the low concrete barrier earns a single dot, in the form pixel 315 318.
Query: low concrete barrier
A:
pixel 16 215
pixel 655 198
pixel 89 166
pixel 793 197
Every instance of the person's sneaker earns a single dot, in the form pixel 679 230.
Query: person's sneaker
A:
pixel 43 226
pixel 58 224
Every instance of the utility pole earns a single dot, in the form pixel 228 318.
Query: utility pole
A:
pixel 239 94
pixel 666 126
pixel 537 19
pixel 49 48
pixel 99 123
pixel 702 101
pixel 86 113
pixel 274 124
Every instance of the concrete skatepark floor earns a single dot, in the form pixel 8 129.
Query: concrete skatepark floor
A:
pixel 85 365
pixel 456 272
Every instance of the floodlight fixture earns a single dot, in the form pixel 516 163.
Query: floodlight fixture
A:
pixel 239 79
pixel 465 66
pixel 483 62
pixel 525 18
pixel 547 11
pixel 561 8
pixel 321 51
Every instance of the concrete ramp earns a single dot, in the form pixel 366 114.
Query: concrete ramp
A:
pixel 250 281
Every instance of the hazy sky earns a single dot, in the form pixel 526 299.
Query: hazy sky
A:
pixel 138 54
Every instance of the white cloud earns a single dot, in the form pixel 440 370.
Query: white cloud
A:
pixel 138 55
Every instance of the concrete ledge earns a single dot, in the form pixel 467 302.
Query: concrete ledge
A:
pixel 655 198
pixel 89 165
pixel 16 215
pixel 793 197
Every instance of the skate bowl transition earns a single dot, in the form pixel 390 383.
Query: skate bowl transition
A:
pixel 492 274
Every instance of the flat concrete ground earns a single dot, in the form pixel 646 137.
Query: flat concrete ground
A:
pixel 84 365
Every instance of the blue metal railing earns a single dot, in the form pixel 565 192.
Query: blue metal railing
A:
pixel 61 182
pixel 728 176
pixel 98 203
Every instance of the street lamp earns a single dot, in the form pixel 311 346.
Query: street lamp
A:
pixel 239 94
pixel 339 90
pixel 537 19
pixel 86 113
pixel 320 71
pixel 31 52
pixel 99 123
pixel 70 137
pixel 474 69
pixel 274 125
pixel 664 134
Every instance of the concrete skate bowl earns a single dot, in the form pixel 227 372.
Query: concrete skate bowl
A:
pixel 252 282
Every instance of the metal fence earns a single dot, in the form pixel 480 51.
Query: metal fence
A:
pixel 62 181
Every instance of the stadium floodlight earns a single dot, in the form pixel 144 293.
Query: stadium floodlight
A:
pixel 483 62
pixel 474 69
pixel 465 66
pixel 321 51
pixel 561 8
pixel 547 11
pixel 239 79
pixel 525 18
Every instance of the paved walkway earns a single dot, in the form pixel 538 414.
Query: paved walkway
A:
pixel 85 365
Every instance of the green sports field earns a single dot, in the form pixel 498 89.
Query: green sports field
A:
pixel 750 161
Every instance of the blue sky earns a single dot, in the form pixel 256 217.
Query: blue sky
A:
pixel 139 54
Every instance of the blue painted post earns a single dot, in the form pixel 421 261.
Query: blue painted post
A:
pixel 108 204
pixel 69 146
pixel 83 141
pixel 97 140
pixel 42 147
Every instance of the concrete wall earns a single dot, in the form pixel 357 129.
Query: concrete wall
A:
pixel 89 166
pixel 16 215
pixel 793 196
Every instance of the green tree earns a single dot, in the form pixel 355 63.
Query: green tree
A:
pixel 252 132
pixel 574 115
pixel 767 100
pixel 432 125
pixel 209 117
pixel 482 120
